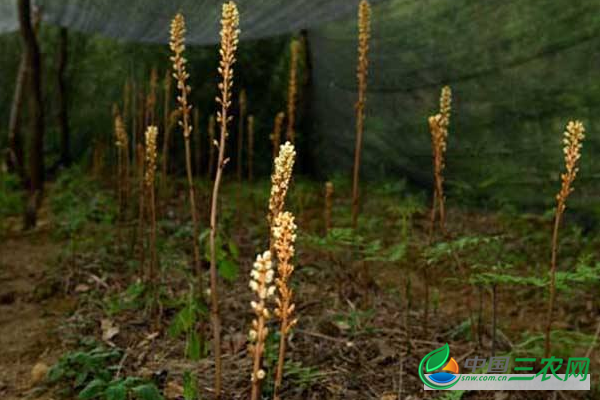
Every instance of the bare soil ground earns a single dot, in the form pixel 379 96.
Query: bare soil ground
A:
pixel 30 311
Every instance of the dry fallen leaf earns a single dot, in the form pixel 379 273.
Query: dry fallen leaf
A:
pixel 38 373
pixel 109 330
pixel 82 288
pixel 173 390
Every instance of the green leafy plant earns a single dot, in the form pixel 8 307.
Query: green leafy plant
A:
pixel 91 373
pixel 184 323
pixel 77 200
pixel 227 254
pixel 190 387
pixel 11 196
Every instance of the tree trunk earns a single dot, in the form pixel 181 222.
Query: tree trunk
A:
pixel 63 119
pixel 15 156
pixel 36 156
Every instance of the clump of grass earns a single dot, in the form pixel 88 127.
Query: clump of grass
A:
pixel 280 180
pixel 276 135
pixel 250 147
pixel 230 20
pixel 242 102
pixel 364 33
pixel 290 132
pixel 260 283
pixel 438 126
pixel 328 205
pixel 573 137
pixel 177 45
pixel 284 233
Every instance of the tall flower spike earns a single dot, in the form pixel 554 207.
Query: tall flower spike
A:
pixel 229 40
pixel 121 140
pixel 446 105
pixel 230 21
pixel 573 137
pixel 261 284
pixel 364 34
pixel 151 134
pixel 284 233
pixel 284 164
pixel 177 45
pixel 439 134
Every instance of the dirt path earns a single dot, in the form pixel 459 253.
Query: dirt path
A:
pixel 28 322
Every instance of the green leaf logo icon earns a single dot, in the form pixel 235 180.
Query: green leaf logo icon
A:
pixel 437 358
pixel 433 361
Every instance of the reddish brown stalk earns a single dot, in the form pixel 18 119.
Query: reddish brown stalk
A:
pixel 364 32
pixel 198 142
pixel 276 135
pixel 211 147
pixel 240 137
pixel 167 118
pixel 142 206
pixel 250 148
pixel 328 206
pixel 151 98
pixel 181 75
pixel 290 132
pixel 229 41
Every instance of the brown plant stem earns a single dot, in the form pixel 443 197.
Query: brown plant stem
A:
pixel 276 135
pixel 180 73
pixel 328 206
pixel 198 142
pixel 290 132
pixel 364 31
pixel 142 205
pixel 168 85
pixel 211 147
pixel 250 148
pixel 240 137
pixel 229 41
